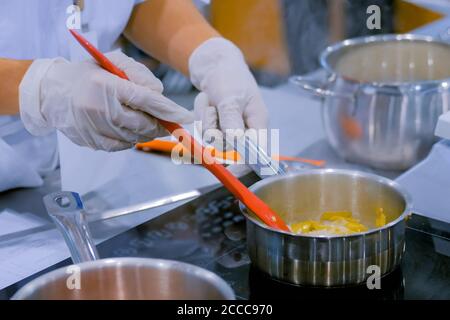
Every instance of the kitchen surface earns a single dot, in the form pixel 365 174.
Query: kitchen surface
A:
pixel 359 140
pixel 210 232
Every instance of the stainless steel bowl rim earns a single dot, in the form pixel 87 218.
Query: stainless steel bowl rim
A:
pixel 219 283
pixel 394 185
pixel 417 85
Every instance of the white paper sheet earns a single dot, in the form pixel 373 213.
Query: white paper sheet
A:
pixel 12 222
pixel 25 255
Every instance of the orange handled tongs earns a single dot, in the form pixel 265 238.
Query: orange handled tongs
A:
pixel 240 191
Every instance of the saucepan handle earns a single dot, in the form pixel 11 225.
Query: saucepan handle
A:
pixel 66 210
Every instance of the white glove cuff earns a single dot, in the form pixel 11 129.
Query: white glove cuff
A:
pixel 30 98
pixel 209 56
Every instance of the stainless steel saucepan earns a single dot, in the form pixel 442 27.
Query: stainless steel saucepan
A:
pixel 118 278
pixel 328 260
pixel 382 97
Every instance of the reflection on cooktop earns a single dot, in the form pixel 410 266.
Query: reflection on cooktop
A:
pixel 210 232
pixel 263 287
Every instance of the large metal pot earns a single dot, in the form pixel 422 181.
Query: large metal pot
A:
pixel 328 260
pixel 382 97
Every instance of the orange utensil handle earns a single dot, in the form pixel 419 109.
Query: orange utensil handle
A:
pixel 157 145
pixel 169 146
pixel 240 191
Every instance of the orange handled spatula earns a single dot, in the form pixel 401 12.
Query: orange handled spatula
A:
pixel 240 191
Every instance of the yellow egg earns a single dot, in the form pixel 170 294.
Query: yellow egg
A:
pixel 331 223
pixel 380 220
pixel 303 227
pixel 356 227
pixel 334 215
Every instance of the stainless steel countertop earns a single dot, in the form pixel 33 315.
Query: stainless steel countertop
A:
pixel 301 134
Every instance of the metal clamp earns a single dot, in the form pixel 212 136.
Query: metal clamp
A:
pixel 258 160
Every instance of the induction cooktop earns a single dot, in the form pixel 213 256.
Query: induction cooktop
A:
pixel 210 232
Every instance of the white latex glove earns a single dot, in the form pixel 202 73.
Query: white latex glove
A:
pixel 93 107
pixel 217 68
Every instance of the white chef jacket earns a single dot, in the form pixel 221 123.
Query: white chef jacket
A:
pixel 33 29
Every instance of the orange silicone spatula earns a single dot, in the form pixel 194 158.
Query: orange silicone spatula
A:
pixel 240 191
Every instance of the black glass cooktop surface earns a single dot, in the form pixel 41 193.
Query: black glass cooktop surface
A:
pixel 210 232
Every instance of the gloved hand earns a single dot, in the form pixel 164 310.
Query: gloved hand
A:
pixel 93 107
pixel 217 68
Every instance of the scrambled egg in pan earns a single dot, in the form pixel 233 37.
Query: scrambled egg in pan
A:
pixel 336 223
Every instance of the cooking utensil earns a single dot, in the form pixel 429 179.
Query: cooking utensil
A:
pixel 382 97
pixel 327 261
pixel 132 209
pixel 169 146
pixel 118 278
pixel 129 279
pixel 258 160
pixel 239 190
pixel 97 215
pixel 228 157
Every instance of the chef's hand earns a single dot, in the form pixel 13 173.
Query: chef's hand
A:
pixel 93 107
pixel 230 97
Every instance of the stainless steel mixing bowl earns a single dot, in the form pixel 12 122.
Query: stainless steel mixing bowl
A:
pixel 382 97
pixel 128 279
pixel 328 260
